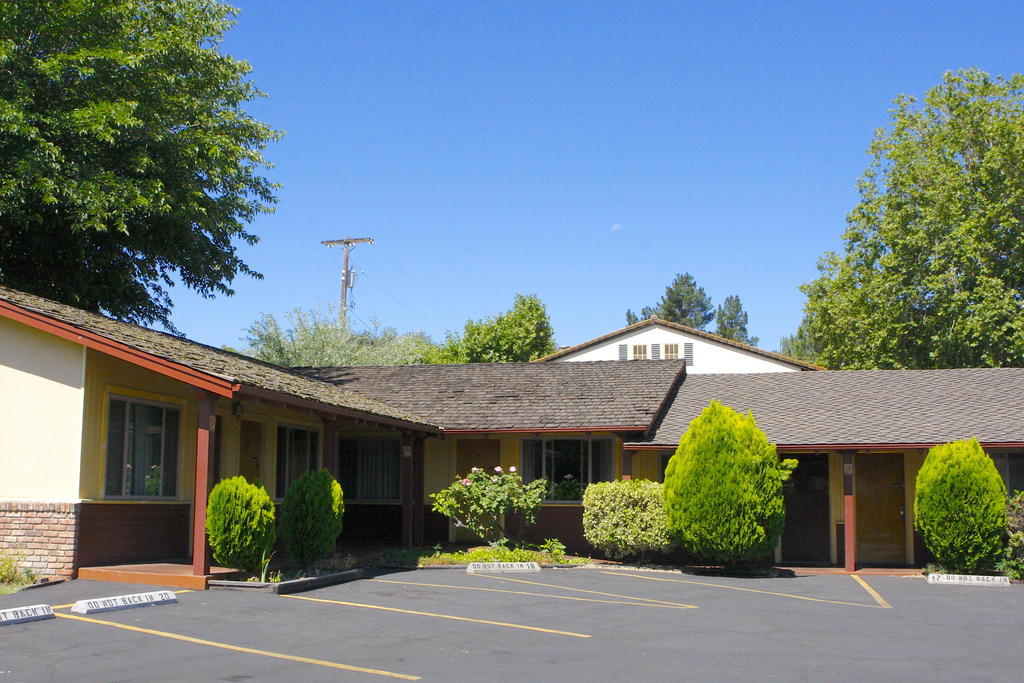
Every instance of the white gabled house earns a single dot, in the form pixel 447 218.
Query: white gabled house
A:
pixel 657 339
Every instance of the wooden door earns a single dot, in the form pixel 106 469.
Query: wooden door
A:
pixel 250 448
pixel 881 514
pixel 805 538
pixel 470 453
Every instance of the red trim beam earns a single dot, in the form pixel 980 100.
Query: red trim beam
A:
pixel 205 381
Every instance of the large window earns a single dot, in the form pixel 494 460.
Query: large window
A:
pixel 1011 469
pixel 568 464
pixel 297 451
pixel 371 469
pixel 142 449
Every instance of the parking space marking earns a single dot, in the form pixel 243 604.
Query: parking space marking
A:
pixel 440 616
pixel 71 604
pixel 238 648
pixel 872 592
pixel 539 595
pixel 682 605
pixel 747 590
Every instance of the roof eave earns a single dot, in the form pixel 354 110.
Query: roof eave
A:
pixel 220 386
pixel 803 447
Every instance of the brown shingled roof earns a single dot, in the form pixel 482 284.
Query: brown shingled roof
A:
pixel 606 395
pixel 655 320
pixel 243 370
pixel 859 407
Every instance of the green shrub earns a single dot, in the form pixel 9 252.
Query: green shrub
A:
pixel 311 517
pixel 960 507
pixel 625 518
pixel 723 489
pixel 480 499
pixel 11 572
pixel 240 524
pixel 1012 563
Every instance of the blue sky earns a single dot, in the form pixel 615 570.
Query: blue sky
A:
pixel 585 152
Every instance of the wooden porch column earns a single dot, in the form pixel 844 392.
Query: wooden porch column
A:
pixel 418 462
pixel 200 551
pixel 408 487
pixel 849 515
pixel 627 465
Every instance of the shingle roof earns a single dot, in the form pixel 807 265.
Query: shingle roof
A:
pixel 655 320
pixel 224 364
pixel 520 396
pixel 849 407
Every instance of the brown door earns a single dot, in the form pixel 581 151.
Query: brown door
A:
pixel 881 530
pixel 805 538
pixel 250 447
pixel 470 453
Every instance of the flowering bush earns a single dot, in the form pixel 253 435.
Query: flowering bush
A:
pixel 479 501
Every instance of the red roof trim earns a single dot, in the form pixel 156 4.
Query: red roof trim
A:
pixel 839 446
pixel 183 373
pixel 549 430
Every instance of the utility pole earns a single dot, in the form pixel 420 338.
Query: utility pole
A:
pixel 348 277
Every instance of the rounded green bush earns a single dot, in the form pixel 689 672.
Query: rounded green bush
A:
pixel 311 517
pixel 240 524
pixel 723 489
pixel 625 518
pixel 960 507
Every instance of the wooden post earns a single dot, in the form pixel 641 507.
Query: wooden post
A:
pixel 849 514
pixel 418 458
pixel 200 552
pixel 408 505
pixel 331 459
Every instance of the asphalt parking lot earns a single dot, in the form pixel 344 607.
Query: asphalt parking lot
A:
pixel 580 624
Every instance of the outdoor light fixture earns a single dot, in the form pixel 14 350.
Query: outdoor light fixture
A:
pixel 237 409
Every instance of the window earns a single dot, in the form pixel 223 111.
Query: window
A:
pixel 142 449
pixel 568 464
pixel 371 468
pixel 655 351
pixel 297 450
pixel 1011 469
pixel 671 351
pixel 639 351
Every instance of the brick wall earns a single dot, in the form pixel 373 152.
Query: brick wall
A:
pixel 44 533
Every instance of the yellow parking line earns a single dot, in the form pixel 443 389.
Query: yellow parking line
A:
pixel 539 595
pixel 738 588
pixel 682 605
pixel 71 604
pixel 439 616
pixel 237 648
pixel 872 592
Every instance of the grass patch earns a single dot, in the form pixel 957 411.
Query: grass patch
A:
pixel 423 557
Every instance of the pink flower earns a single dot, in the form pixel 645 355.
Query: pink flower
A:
pixel 568 476
pixel 494 479
pixel 466 482
pixel 512 469
pixel 475 469
pixel 498 468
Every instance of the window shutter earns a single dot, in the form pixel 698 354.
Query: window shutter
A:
pixel 688 353
pixel 623 351
pixel 655 351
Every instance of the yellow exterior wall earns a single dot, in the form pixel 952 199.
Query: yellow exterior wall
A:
pixel 41 402
pixel 107 376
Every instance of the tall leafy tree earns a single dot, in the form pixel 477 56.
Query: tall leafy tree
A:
pixel 801 344
pixel 732 321
pixel 126 160
pixel 319 338
pixel 933 270
pixel 519 335
pixel 684 302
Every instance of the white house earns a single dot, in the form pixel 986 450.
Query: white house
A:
pixel 705 353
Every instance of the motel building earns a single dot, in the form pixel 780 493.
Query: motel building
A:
pixel 112 435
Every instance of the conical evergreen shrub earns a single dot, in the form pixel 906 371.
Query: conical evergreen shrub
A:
pixel 311 517
pixel 960 507
pixel 240 524
pixel 723 489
